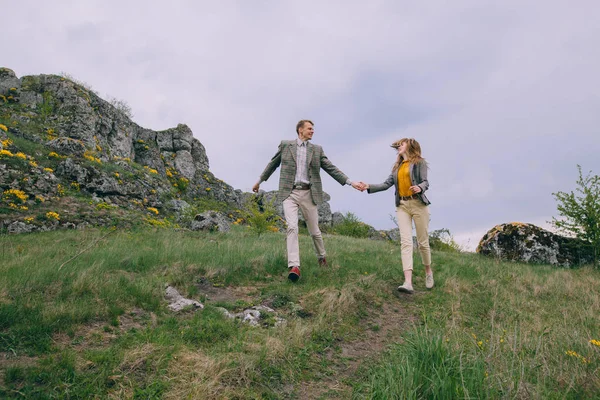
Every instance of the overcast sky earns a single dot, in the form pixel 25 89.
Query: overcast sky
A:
pixel 504 96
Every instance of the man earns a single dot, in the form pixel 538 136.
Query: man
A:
pixel 300 187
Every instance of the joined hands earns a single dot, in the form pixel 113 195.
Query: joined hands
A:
pixel 360 186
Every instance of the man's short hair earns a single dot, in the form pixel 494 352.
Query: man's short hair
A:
pixel 301 123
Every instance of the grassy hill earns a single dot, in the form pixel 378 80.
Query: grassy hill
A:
pixel 83 315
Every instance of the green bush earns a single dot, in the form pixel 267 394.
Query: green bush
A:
pixel 442 240
pixel 260 215
pixel 352 226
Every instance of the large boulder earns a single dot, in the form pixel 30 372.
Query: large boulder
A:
pixel 522 242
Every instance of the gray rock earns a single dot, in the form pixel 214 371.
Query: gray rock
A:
pixel 66 145
pixel 73 171
pixel 184 163
pixel 177 302
pixel 210 221
pixel 177 206
pixel 8 80
pixel 19 227
pixel 252 315
pixel 337 218
pixel 528 243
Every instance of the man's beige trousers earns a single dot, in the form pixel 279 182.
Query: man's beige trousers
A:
pixel 408 211
pixel 301 199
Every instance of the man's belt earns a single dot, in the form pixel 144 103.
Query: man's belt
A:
pixel 301 186
pixel 414 196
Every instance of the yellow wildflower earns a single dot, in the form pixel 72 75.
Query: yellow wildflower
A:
pixel 4 128
pixel 15 194
pixel 21 155
pixel 5 153
pixel 48 170
pixel 152 209
pixel 53 215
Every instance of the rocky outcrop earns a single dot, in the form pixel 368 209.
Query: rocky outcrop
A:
pixel 75 122
pixel 528 243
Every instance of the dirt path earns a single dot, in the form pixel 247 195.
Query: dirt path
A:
pixel 385 328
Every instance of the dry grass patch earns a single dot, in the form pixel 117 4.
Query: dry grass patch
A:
pixel 195 375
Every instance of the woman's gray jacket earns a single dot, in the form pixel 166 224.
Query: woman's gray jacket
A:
pixel 418 177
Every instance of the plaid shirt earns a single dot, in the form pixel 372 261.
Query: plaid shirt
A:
pixel 287 157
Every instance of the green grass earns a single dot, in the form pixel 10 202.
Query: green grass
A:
pixel 497 330
pixel 99 326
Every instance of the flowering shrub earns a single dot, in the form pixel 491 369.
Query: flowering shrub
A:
pixel 260 216
pixel 54 154
pixel 90 157
pixel 158 222
pixel 4 128
pixel 50 134
pixel 51 215
pixel 152 209
pixel 14 195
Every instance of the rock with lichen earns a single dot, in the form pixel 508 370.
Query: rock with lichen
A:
pixel 71 119
pixel 528 243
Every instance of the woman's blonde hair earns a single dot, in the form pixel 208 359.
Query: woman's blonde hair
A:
pixel 413 152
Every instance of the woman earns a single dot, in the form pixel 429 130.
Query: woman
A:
pixel 409 177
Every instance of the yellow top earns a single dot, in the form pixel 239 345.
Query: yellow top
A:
pixel 404 179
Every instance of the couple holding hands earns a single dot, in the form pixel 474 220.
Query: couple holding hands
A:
pixel 300 187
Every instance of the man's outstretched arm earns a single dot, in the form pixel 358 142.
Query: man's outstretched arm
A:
pixel 269 169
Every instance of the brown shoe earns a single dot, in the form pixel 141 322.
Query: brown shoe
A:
pixel 323 262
